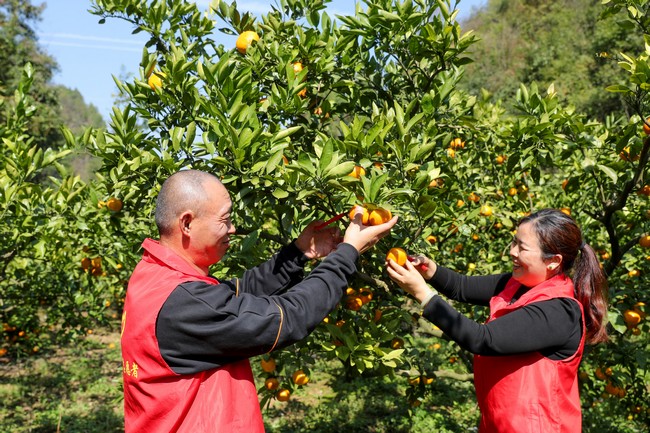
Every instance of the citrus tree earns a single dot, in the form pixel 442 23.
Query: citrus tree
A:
pixel 304 115
pixel 53 287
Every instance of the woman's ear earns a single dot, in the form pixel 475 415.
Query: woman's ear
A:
pixel 554 262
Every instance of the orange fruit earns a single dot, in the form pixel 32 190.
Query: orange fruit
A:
pixel 300 378
pixel 353 303
pixel 3 351
pixel 451 153
pixel 245 39
pixel 379 216
pixel 365 295
pixel 565 182
pixel 155 80
pixel 268 365
pixel 297 67
pixel 500 159
pixel 283 395
pixel 357 171
pixel 96 262
pixel 272 383
pixel 512 191
pixel 396 343
pixel 398 255
pixel 114 204
pixel 473 197
pixel 644 241
pixel 427 380
pixel 632 318
pixel 432 239
pixel 414 380
pixel 85 263
pixel 303 93
pixel 646 128
pixel 634 273
pixel 486 210
pixel 364 214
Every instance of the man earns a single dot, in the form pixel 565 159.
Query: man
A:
pixel 186 338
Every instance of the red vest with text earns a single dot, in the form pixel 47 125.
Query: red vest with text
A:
pixel 157 400
pixel 529 393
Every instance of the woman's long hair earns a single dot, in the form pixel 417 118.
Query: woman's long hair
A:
pixel 558 233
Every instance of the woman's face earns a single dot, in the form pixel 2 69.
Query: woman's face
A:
pixel 528 266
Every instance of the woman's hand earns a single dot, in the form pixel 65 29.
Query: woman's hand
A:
pixel 409 278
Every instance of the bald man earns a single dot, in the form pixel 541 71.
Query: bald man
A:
pixel 186 337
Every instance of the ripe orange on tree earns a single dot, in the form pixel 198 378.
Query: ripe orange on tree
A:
pixel 357 171
pixel 114 204
pixel 644 241
pixel 283 395
pixel 245 39
pixel 473 197
pixel 272 383
pixel 432 239
pixel 268 365
pixel 300 377
pixel 486 210
pixel 646 128
pixel 85 263
pixel 353 302
pixel 155 80
pixel 396 343
pixel 632 318
pixel 398 255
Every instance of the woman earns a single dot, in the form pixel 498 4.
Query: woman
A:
pixel 541 315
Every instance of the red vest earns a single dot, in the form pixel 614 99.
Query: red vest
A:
pixel 157 400
pixel 529 393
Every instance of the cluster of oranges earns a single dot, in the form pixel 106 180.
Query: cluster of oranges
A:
pixel 610 388
pixel 355 299
pixel 94 266
pixel 272 383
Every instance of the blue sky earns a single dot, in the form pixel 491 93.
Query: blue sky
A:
pixel 89 54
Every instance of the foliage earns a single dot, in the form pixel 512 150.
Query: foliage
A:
pixel 46 295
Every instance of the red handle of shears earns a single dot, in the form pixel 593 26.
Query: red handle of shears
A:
pixel 331 220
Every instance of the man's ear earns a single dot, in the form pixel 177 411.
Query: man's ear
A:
pixel 185 222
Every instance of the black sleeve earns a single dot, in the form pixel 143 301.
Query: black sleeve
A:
pixel 283 270
pixel 202 326
pixel 553 327
pixel 476 290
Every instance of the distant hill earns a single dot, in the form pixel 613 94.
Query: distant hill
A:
pixel 549 41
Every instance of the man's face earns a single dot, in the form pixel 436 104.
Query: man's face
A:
pixel 211 227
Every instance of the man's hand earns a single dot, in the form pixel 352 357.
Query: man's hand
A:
pixel 363 237
pixel 316 243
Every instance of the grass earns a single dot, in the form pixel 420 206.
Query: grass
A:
pixel 76 389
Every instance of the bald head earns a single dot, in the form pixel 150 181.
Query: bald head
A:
pixel 182 191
